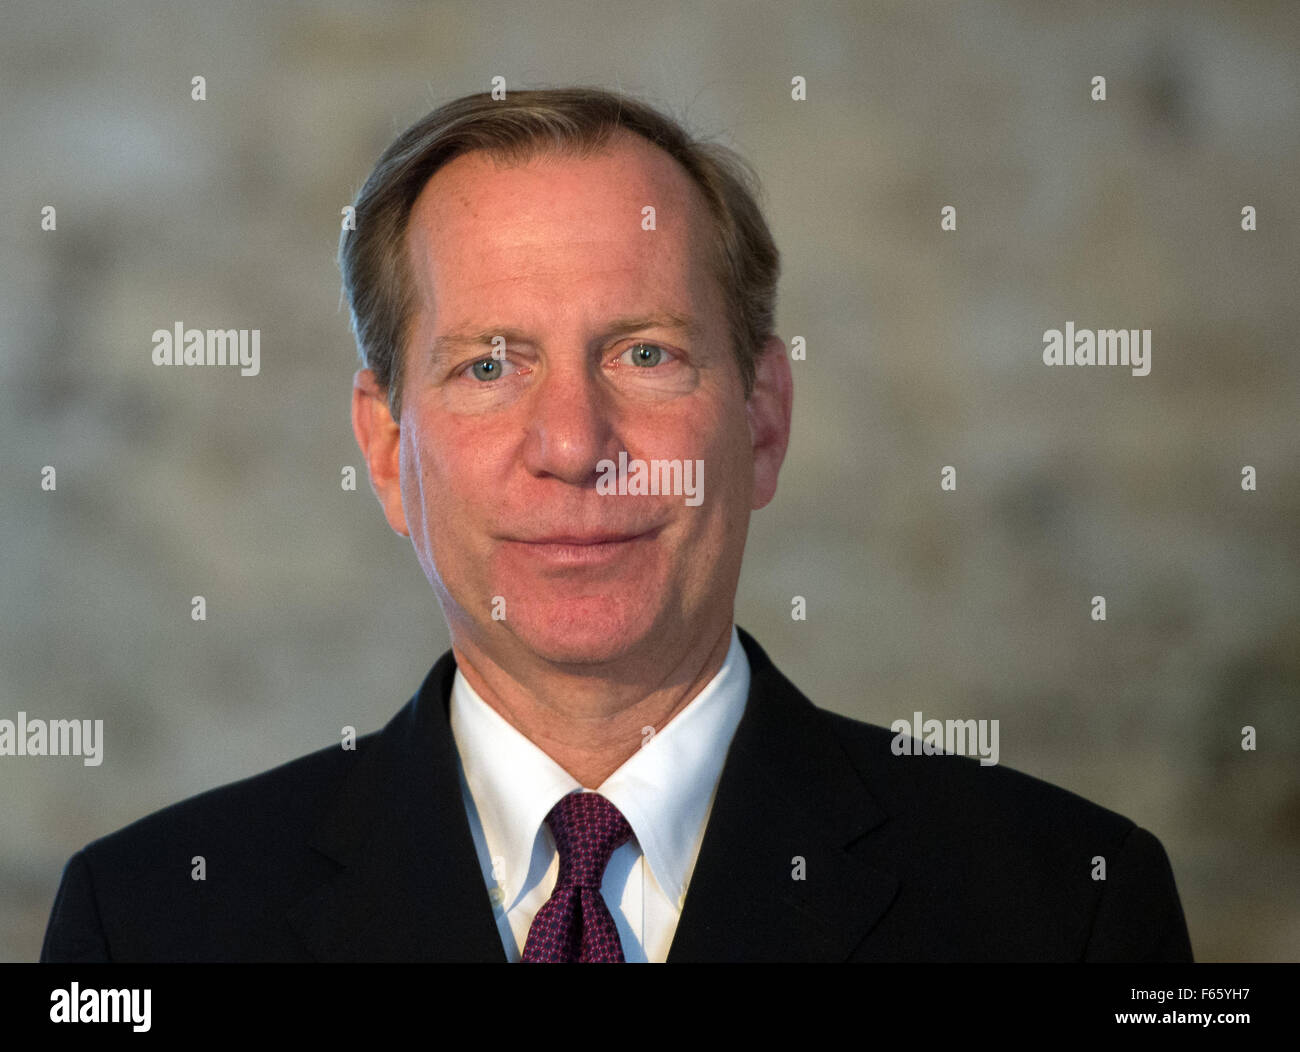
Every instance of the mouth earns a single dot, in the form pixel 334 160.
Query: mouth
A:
pixel 577 549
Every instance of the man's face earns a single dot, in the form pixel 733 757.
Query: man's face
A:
pixel 612 338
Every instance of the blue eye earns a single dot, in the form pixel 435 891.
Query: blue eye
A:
pixel 645 355
pixel 487 369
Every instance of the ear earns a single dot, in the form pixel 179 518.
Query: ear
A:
pixel 769 408
pixel 379 437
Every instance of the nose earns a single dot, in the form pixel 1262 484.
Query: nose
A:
pixel 570 427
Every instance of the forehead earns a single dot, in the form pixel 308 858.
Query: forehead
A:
pixel 483 225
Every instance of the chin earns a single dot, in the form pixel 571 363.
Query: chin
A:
pixel 587 631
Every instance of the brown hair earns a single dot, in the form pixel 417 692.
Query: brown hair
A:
pixel 372 257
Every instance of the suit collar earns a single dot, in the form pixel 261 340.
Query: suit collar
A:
pixel 788 791
pixel 410 887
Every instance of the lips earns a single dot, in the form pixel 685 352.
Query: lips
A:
pixel 581 539
pixel 572 550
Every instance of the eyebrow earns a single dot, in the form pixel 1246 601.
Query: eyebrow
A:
pixel 460 338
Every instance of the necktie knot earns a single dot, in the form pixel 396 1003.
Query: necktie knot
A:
pixel 587 830
pixel 574 924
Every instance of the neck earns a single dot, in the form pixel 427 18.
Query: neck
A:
pixel 591 722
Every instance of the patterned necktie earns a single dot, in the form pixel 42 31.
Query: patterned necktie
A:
pixel 574 923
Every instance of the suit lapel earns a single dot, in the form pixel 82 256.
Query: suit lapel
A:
pixel 787 791
pixel 410 887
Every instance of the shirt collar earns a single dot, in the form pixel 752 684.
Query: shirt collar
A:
pixel 665 789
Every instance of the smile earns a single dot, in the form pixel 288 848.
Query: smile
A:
pixel 582 550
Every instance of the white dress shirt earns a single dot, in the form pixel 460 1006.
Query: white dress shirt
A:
pixel 665 790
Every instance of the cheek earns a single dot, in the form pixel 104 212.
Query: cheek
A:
pixel 732 458
pixel 426 489
pixel 450 484
pixel 726 490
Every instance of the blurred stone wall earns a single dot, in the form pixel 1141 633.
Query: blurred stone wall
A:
pixel 923 350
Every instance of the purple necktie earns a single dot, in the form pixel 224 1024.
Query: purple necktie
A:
pixel 574 923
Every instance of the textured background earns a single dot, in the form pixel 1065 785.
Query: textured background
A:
pixel 924 350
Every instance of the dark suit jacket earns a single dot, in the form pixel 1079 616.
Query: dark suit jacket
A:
pixel 366 855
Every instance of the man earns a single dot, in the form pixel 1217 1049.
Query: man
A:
pixel 571 402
